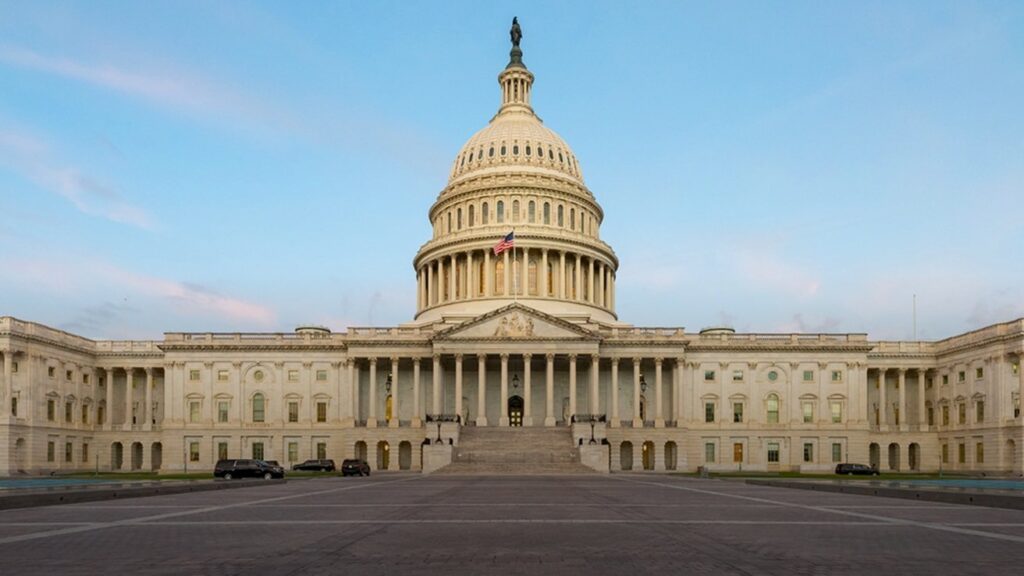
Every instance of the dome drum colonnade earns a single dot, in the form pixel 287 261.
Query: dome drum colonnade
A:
pixel 516 174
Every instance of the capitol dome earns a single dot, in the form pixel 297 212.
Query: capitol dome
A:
pixel 516 176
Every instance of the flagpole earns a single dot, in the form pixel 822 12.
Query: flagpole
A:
pixel 515 269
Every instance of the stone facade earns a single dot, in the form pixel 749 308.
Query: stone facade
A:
pixel 527 337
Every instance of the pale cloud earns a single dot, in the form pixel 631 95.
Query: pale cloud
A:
pixel 765 268
pixel 30 157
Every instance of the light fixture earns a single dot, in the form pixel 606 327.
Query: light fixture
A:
pixel 643 384
pixel 387 385
pixel 515 381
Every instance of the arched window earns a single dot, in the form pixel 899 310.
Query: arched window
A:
pixel 259 408
pixel 490 152
pixel 463 162
pixel 773 409
pixel 551 279
pixel 472 215
pixel 572 219
pixel 561 215
pixel 470 156
pixel 500 218
pixel 531 280
pixel 515 210
pixel 540 152
pixel 499 277
pixel 515 149
pixel 503 149
pixel 484 214
pixel 547 213
pixel 531 212
pixel 458 219
pixel 449 222
pixel 551 154
pixel 528 150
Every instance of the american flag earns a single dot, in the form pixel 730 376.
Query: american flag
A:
pixel 506 243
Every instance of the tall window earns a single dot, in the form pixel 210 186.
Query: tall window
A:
pixel 773 452
pixel 193 451
pixel 773 409
pixel 51 409
pixel 561 215
pixel 979 411
pixel 69 452
pixel 709 411
pixel 222 450
pixel 709 452
pixel 458 219
pixel 321 411
pixel 547 213
pixel 531 279
pixel 531 212
pixel 737 452
pixel 499 277
pixel 837 452
pixel 515 210
pixel 572 218
pixel 85 414
pixel 979 453
pixel 68 411
pixel 808 452
pixel 222 411
pixel 737 412
pixel 85 451
pixel 961 413
pixel 193 411
pixel 945 415
pixel 484 214
pixel 258 409
pixel 321 450
pixel 472 215
pixel 808 408
pixel 500 217
pixel 293 451
pixel 837 412
pixel 293 411
pixel 51 449
pixel 257 450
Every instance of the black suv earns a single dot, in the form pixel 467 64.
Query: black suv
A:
pixel 354 467
pixel 859 469
pixel 228 469
pixel 316 466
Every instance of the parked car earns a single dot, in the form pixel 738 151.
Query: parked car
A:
pixel 354 467
pixel 858 469
pixel 239 468
pixel 316 466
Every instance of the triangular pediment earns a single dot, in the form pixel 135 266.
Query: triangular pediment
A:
pixel 516 322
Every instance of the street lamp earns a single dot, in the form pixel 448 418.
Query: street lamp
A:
pixel 387 385
pixel 515 381
pixel 643 384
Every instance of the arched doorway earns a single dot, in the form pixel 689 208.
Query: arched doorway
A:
pixel 626 456
pixel 116 456
pixel 361 450
pixel 515 411
pixel 425 443
pixel 404 455
pixel 914 456
pixel 156 456
pixel 648 455
pixel 136 455
pixel 671 456
pixel 383 455
pixel 874 455
pixel 894 456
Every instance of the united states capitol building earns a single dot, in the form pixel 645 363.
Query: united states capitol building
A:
pixel 523 344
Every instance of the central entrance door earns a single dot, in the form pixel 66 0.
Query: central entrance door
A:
pixel 515 411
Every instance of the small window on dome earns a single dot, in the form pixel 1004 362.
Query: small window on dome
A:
pixel 547 213
pixel 484 214
pixel 502 149
pixel 490 153
pixel 528 150
pixel 572 218
pixel 551 154
pixel 470 156
pixel 472 214
pixel 480 154
pixel 458 219
pixel 500 208
pixel 560 159
pixel 540 152
pixel 463 163
pixel 531 212
pixel 515 149
pixel 561 214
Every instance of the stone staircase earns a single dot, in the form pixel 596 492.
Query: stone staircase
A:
pixel 508 450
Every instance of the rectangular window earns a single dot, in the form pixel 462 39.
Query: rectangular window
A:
pixel 321 411
pixel 222 450
pixel 737 452
pixel 837 452
pixel 808 452
pixel 321 450
pixel 85 414
pixel 808 375
pixel 51 410
pixel 69 452
pixel 101 414
pixel 51 371
pixel 737 375
pixel 321 375
pixel 737 412
pixel 961 413
pixel 945 415
pixel 293 411
pixel 808 409
pixel 14 367
pixel 961 453
pixel 837 375
pixel 51 449
pixel 945 453
pixel 837 412
pixel 222 375
pixel 293 375
pixel 68 375
pixel 1014 368
pixel 979 411
pixel 961 376
pixel 193 451
pixel 709 411
pixel 773 452
pixel 85 378
pixel 979 373
pixel 85 451
pixel 68 410
pixel 979 453
pixel 257 450
pixel 293 451
pixel 193 375
pixel 193 411
pixel 709 375
pixel 222 411
pixel 709 452
pixel 14 406
pixel 931 416
pixel 929 382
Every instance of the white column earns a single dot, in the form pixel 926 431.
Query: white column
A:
pixel 371 418
pixel 436 407
pixel 637 420
pixel 882 419
pixel 470 285
pixel 527 391
pixel 396 404
pixel 549 401
pixel 147 419
pixel 922 388
pixel 507 280
pixel 129 397
pixel 416 409
pixel 542 276
pixel 487 273
pixel 503 420
pixel 595 369
pixel 561 276
pixel 353 384
pixel 572 385
pixel 431 285
pixel 903 397
pixel 615 393
pixel 591 296
pixel 453 284
pixel 578 281
pixel 481 392
pixel 458 386
pixel 7 389
pixel 659 417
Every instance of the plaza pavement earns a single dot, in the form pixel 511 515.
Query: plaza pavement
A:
pixel 618 524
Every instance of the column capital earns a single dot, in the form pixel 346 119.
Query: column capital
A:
pixel 436 357
pixel 458 358
pixel 307 365
pixel 236 365
pixel 902 371
pixel 504 356
pixel 658 360
pixel 279 365
pixel 416 360
pixel 822 365
pixel 572 357
pixel 595 358
pixel 550 357
pixel 794 365
pixel 205 365
pixel 149 370
pixel 637 360
pixel 394 359
pixel 527 356
pixel 335 364
pixel 373 361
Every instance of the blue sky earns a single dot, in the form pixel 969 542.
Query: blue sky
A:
pixel 229 166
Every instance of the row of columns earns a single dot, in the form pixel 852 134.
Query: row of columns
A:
pixel 463 282
pixel 129 397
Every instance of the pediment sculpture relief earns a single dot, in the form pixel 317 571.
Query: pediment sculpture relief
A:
pixel 513 326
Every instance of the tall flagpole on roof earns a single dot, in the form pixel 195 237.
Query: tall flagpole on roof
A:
pixel 515 269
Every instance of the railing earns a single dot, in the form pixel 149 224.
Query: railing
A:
pixel 588 418
pixel 444 418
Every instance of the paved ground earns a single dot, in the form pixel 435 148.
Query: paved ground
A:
pixel 619 524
